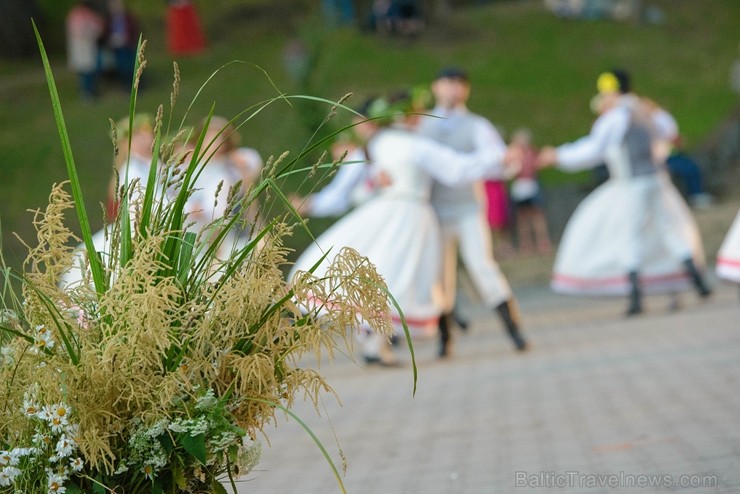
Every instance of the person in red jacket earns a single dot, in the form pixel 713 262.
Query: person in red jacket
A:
pixel 184 33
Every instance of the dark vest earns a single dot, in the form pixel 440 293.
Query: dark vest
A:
pixel 637 143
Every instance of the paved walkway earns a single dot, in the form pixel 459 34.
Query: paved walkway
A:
pixel 600 400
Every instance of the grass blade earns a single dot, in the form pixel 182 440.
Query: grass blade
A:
pixel 96 267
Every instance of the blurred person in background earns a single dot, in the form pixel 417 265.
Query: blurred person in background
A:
pixel 728 256
pixel 526 196
pixel 397 229
pixel 355 181
pixel 497 205
pixel 459 208
pixel 134 158
pixel 130 175
pixel 122 38
pixel 184 32
pixel 634 232
pixel 85 29
pixel 229 168
pixel 681 166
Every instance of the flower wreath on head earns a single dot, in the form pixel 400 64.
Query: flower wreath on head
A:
pixel 387 110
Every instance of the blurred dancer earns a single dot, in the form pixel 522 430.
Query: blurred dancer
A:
pixel 728 256
pixel 459 209
pixel 397 229
pixel 355 181
pixel 635 231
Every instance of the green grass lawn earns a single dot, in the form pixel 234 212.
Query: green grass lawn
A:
pixel 528 68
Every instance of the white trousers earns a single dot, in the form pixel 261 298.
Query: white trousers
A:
pixel 470 233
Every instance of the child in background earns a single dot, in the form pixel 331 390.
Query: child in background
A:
pixel 525 194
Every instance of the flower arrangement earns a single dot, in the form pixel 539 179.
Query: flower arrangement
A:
pixel 158 371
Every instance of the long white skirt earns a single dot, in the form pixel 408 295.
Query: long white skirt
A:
pixel 728 256
pixel 624 225
pixel 401 238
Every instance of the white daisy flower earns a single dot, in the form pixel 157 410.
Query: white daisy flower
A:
pixel 43 338
pixel 41 439
pixel 76 464
pixel 30 408
pixel 57 423
pixel 46 413
pixel 65 446
pixel 8 475
pixel 21 452
pixel 148 471
pixel 56 484
pixel 60 410
pixel 7 459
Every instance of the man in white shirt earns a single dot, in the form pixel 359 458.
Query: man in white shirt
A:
pixel 459 208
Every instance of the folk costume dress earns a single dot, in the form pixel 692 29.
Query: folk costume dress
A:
pixel 635 222
pixel 397 229
pixel 728 256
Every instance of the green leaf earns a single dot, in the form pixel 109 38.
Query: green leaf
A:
pixel 405 330
pixel 185 257
pixel 73 489
pixel 17 333
pixel 151 185
pixel 166 441
pixel 157 487
pixel 218 488
pixel 95 265
pixel 98 487
pixel 178 475
pixel 195 445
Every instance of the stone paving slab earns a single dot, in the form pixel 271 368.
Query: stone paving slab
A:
pixel 599 398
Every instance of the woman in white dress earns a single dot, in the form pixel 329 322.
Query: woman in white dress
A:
pixel 634 233
pixel 728 256
pixel 397 229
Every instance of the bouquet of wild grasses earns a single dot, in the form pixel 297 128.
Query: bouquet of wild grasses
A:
pixel 158 370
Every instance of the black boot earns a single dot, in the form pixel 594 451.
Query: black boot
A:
pixel 510 316
pixel 635 297
pixel 445 336
pixel 696 278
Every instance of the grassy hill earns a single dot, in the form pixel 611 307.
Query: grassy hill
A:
pixel 528 68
